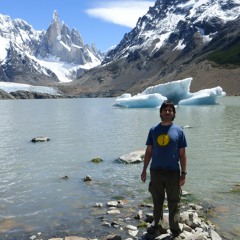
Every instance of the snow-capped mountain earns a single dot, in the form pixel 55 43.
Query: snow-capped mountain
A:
pixel 176 39
pixel 179 25
pixel 172 41
pixel 43 57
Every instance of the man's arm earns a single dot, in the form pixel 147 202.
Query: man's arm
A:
pixel 183 164
pixel 147 158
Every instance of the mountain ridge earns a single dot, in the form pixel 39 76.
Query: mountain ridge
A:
pixel 172 41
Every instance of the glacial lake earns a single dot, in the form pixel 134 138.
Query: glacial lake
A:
pixel 34 197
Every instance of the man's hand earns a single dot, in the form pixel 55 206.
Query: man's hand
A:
pixel 182 180
pixel 143 176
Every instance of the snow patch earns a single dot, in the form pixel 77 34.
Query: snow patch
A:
pixel 4 45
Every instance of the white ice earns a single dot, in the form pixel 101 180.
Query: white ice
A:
pixel 144 101
pixel 13 87
pixel 177 91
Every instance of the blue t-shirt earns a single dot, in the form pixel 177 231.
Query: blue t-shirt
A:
pixel 166 142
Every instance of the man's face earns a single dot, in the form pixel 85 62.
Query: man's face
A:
pixel 167 114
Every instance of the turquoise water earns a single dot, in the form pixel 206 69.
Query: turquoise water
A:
pixel 33 196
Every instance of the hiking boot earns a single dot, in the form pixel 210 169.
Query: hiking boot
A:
pixel 156 230
pixel 176 234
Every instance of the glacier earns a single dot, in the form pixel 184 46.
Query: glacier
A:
pixel 13 87
pixel 176 91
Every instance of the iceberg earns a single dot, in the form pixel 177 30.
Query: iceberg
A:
pixel 140 101
pixel 173 91
pixel 204 97
pixel 176 91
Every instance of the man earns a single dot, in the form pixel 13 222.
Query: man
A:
pixel 166 144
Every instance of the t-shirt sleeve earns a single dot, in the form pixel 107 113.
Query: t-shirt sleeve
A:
pixel 183 141
pixel 149 138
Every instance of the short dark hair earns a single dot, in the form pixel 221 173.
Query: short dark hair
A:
pixel 168 104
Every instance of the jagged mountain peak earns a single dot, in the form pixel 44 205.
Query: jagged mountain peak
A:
pixel 43 51
pixel 66 44
pixel 55 16
pixel 9 27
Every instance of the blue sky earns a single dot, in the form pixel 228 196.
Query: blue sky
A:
pixel 103 22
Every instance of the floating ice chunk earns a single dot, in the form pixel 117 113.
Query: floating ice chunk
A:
pixel 176 91
pixel 204 97
pixel 140 101
pixel 173 91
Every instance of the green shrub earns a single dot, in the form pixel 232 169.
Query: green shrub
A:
pixel 229 56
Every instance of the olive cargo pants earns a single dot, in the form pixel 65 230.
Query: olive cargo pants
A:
pixel 166 181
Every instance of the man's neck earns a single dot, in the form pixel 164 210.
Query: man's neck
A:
pixel 166 123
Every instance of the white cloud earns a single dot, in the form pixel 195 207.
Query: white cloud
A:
pixel 122 12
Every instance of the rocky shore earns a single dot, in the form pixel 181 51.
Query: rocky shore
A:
pixel 126 220
pixel 36 95
pixel 118 220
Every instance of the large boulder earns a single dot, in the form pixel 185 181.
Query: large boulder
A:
pixel 133 157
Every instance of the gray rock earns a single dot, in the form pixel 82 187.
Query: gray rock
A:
pixel 113 211
pixel 112 204
pixel 40 139
pixel 113 237
pixel 214 235
pixel 99 205
pixel 139 215
pixel 133 157
pixel 88 178
pixel 5 95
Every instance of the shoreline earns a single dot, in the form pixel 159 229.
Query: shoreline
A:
pixel 118 220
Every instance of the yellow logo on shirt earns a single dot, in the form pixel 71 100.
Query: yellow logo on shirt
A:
pixel 163 140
